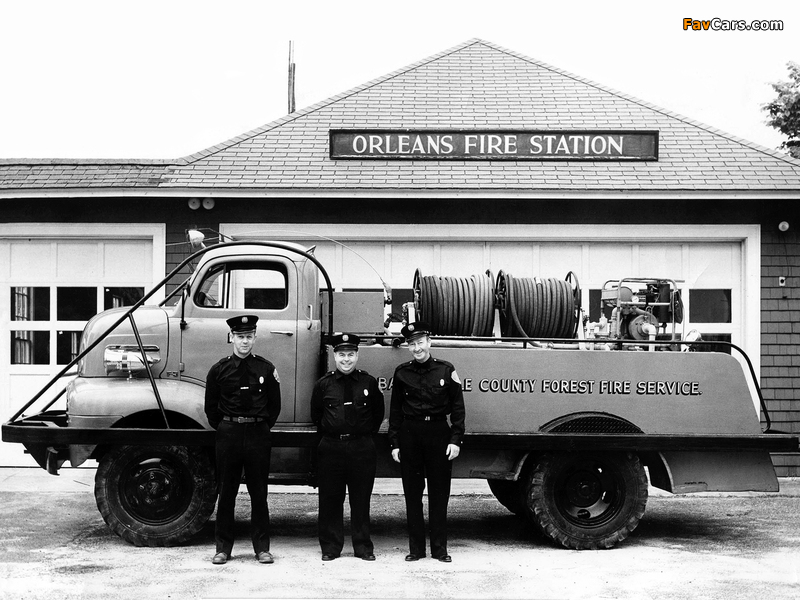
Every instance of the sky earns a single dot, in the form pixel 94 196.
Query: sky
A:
pixel 164 79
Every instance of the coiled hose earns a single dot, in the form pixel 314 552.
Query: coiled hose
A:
pixel 538 308
pixel 529 308
pixel 456 305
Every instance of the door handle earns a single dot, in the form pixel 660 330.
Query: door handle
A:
pixel 289 333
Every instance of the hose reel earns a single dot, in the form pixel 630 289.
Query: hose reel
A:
pixel 539 307
pixel 528 307
pixel 456 305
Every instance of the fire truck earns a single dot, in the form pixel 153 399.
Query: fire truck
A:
pixel 568 421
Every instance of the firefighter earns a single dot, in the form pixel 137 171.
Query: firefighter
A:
pixel 424 391
pixel 347 408
pixel 242 402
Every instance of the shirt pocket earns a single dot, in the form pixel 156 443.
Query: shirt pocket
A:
pixel 229 390
pixel 361 398
pixel 439 394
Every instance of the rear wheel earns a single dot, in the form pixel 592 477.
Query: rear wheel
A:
pixel 155 496
pixel 587 501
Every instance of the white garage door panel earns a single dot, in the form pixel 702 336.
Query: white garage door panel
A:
pixel 521 256
pixel 358 268
pixel 129 260
pixel 407 257
pixel 656 260
pixel 607 262
pixel 712 265
pixel 78 262
pixel 24 256
pixel 556 260
pixel 460 260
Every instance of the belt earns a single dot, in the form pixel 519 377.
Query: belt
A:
pixel 425 417
pixel 345 436
pixel 243 419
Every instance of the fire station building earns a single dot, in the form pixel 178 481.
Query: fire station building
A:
pixel 476 158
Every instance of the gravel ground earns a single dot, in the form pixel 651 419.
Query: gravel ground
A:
pixel 56 545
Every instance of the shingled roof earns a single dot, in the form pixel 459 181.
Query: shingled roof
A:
pixel 476 84
pixel 48 174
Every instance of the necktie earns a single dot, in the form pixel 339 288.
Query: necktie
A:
pixel 349 405
pixel 245 396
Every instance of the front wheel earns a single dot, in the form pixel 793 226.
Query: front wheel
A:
pixel 155 495
pixel 587 501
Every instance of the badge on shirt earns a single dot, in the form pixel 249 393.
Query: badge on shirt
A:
pixel 455 377
pixel 275 373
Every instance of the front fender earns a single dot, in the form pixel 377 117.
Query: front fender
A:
pixel 106 397
pixel 102 402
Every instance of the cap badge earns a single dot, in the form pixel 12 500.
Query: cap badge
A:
pixel 244 319
pixel 411 328
pixel 345 337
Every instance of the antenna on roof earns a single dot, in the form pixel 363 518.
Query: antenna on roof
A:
pixel 291 77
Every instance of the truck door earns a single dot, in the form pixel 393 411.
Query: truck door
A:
pixel 266 287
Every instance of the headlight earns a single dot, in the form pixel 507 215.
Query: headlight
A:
pixel 127 360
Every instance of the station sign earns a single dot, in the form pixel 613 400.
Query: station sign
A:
pixel 480 144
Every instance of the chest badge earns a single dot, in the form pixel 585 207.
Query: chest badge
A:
pixel 366 392
pixel 261 379
pixel 441 382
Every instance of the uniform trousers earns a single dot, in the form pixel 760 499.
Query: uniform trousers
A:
pixel 345 466
pixel 243 447
pixel 423 447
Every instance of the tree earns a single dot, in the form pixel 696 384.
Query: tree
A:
pixel 784 111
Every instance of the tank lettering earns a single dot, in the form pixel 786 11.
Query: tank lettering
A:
pixel 668 388
pixel 385 383
pixel 571 386
pixel 567 386
pixel 517 386
pixel 610 386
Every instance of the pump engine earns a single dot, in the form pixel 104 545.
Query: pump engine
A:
pixel 643 308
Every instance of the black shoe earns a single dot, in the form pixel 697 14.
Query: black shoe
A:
pixel 412 557
pixel 220 558
pixel 265 558
pixel 327 557
pixel 369 556
pixel 444 558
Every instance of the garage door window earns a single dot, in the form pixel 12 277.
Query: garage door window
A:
pixel 710 306
pixel 47 322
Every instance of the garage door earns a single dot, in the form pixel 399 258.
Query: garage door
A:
pixel 52 286
pixel 717 268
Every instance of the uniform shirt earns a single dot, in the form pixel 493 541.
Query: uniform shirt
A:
pixel 351 403
pixel 425 389
pixel 243 387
